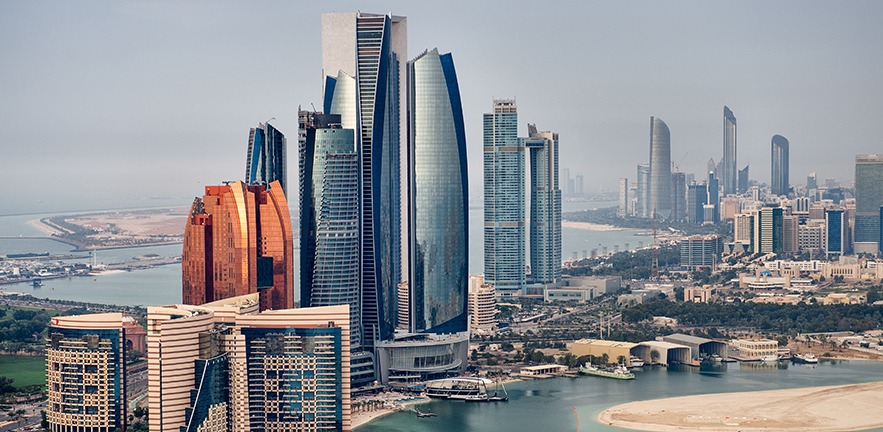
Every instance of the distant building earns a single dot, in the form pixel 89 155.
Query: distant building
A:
pixel 623 209
pixel 86 373
pixel 410 358
pixel 238 240
pixel 643 209
pixel 811 235
pixel 755 349
pixel 779 155
pixel 697 197
pixel 728 163
pixel 768 230
pixel 698 252
pixel 714 197
pixel 660 170
pixel 504 200
pixel 615 350
pixel 482 305
pixel 678 196
pixel 743 229
pixel 790 234
pixel 267 159
pixel 743 180
pixel 695 294
pixel 835 233
pixel 582 288
pixel 868 202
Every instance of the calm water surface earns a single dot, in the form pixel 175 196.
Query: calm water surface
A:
pixel 548 405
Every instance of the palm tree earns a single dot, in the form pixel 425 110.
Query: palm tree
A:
pixel 620 359
pixel 654 356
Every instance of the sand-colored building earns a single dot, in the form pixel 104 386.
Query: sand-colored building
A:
pixel 613 349
pixel 482 305
pixel 668 353
pixel 244 363
pixel 86 373
pixel 755 349
pixel 698 294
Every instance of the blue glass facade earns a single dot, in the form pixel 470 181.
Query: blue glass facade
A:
pixel 267 156
pixel 294 375
pixel 367 98
pixel 779 171
pixel 329 209
pixel 438 197
pixel 504 200
pixel 835 236
pixel 211 390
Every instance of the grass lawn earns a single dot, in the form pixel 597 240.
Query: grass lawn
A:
pixel 26 370
pixel 11 309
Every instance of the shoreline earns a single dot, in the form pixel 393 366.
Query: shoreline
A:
pixel 808 408
pixel 590 226
pixel 364 418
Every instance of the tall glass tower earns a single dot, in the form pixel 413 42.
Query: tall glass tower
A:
pixel 545 206
pixel 267 156
pixel 779 156
pixel 503 199
pixel 729 172
pixel 438 207
pixel 660 169
pixel 329 218
pixel 868 200
pixel 363 60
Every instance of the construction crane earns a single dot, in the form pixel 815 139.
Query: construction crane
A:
pixel 677 166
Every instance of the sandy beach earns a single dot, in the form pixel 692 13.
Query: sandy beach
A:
pixel 833 408
pixel 390 407
pixel 589 226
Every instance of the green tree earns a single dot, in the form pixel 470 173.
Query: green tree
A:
pixel 654 356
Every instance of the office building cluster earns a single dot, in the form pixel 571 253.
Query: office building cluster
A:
pixel 664 193
pixel 383 205
pixel 821 222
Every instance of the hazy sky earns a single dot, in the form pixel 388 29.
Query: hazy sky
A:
pixel 112 104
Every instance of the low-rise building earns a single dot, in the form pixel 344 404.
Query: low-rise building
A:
pixel 482 305
pixel 754 349
pixel 698 294
pixel 615 350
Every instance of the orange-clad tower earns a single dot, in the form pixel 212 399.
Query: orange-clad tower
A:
pixel 238 240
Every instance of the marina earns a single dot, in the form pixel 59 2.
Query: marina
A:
pixel 555 404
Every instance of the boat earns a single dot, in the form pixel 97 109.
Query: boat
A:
pixel 772 358
pixel 498 398
pixel 428 413
pixel 618 372
pixel 807 358
pixel 462 388
pixel 37 283
pixel 636 362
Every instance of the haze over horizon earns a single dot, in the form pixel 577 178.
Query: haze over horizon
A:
pixel 108 105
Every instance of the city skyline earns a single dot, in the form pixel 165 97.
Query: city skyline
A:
pixel 98 113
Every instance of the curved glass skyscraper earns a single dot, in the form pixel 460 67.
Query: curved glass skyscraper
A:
pixel 437 197
pixel 362 58
pixel 267 156
pixel 660 169
pixel 779 156
pixel 329 201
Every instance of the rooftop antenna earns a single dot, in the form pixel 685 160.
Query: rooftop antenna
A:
pixel 314 107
